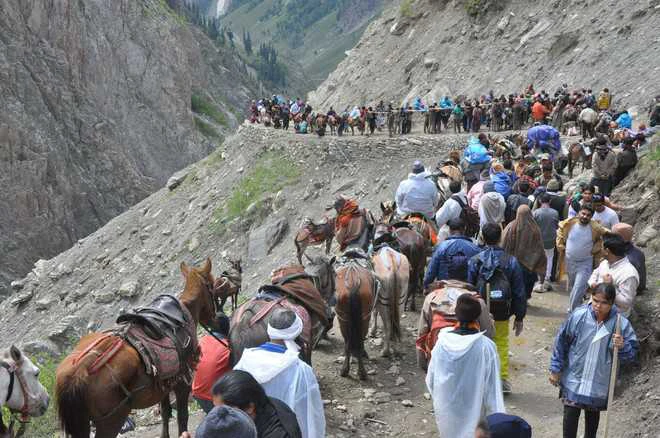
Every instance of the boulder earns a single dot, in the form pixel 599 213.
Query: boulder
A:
pixel 399 27
pixel 176 179
pixel 262 240
pixel 647 235
pixel 129 289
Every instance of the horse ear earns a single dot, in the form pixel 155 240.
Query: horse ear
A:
pixel 16 354
pixel 333 260
pixel 394 205
pixel 382 206
pixel 206 268
pixel 185 269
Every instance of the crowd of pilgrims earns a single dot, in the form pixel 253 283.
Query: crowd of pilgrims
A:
pixel 505 226
pixel 578 109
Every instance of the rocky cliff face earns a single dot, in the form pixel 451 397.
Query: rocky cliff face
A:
pixel 96 114
pixel 432 48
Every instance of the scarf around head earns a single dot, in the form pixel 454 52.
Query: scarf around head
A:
pixel 522 239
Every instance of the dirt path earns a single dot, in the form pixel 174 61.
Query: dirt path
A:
pixel 376 407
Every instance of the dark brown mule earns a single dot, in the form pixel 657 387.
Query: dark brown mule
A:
pixel 312 233
pixel 228 284
pixel 412 245
pixel 417 222
pixel 119 382
pixel 306 292
pixel 356 294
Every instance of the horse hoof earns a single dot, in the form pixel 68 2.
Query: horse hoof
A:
pixel 344 373
pixel 362 375
pixel 385 353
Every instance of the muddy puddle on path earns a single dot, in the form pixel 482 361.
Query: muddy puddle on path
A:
pixel 393 401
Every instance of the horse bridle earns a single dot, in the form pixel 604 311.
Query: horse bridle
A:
pixel 14 374
pixel 210 288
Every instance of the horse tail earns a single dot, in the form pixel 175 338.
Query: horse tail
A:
pixel 72 402
pixel 395 316
pixel 354 332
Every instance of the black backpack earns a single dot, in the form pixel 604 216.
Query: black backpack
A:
pixel 469 215
pixel 500 290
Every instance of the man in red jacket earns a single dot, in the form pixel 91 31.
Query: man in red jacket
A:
pixel 213 362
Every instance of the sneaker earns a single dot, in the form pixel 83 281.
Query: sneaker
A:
pixel 538 288
pixel 547 287
pixel 506 387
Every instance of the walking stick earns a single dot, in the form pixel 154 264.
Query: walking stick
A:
pixel 488 296
pixel 613 373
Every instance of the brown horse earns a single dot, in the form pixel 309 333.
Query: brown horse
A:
pixel 311 233
pixel 333 123
pixel 104 378
pixel 411 244
pixel 358 123
pixel 577 153
pixel 228 284
pixel 356 292
pixel 392 270
pixel 305 290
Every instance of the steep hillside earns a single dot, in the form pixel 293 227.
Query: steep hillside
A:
pixel 432 48
pixel 240 201
pixel 96 114
pixel 312 36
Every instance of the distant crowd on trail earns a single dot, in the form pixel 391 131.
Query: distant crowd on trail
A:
pixel 572 112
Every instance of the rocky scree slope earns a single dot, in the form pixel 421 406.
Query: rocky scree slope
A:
pixel 244 200
pixel 96 114
pixel 635 412
pixel 432 48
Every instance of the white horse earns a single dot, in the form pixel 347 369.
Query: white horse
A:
pixel 20 389
pixel 393 271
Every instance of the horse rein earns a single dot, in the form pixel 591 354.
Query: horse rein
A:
pixel 12 370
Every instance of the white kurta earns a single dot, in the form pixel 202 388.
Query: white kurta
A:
pixel 464 381
pixel 284 376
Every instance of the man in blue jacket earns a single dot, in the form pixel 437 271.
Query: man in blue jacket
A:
pixel 507 292
pixel 450 258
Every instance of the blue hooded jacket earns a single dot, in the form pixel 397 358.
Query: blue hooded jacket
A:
pixel 475 152
pixel 624 121
pixel 502 183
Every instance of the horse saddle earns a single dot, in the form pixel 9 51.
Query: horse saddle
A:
pixel 163 316
pixel 402 224
pixel 163 334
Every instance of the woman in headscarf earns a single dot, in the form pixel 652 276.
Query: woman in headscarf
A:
pixel 522 239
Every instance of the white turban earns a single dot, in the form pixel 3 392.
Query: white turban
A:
pixel 288 335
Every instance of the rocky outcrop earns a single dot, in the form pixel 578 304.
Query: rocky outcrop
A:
pixel 431 48
pixel 96 115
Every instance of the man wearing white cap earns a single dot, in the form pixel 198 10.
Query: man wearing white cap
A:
pixel 277 367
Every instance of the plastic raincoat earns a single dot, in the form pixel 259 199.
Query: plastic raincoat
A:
pixel 285 377
pixel 464 381
pixel 583 355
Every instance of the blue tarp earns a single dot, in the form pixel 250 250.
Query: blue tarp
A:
pixel 545 139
